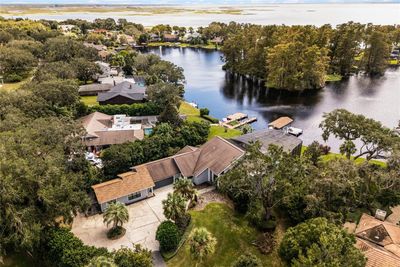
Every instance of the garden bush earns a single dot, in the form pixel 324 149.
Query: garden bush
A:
pixel 211 119
pixel 136 257
pixel 137 109
pixel 168 235
pixel 247 260
pixel 204 111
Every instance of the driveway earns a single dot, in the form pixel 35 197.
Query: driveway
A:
pixel 144 218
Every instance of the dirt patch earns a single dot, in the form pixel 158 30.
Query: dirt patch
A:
pixel 212 197
pixel 265 243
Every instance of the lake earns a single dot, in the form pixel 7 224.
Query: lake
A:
pixel 209 86
pixel 201 15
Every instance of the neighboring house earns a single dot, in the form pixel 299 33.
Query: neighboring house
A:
pixel 217 41
pixel 103 130
pixel 154 38
pixel 95 46
pixel 104 55
pixel 379 241
pixel 114 80
pixel 203 164
pixel 123 93
pixel 106 70
pixel 170 38
pixel 93 89
pixel 66 28
pixel 267 137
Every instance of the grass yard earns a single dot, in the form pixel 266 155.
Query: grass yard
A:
pixel 234 237
pixel 193 114
pixel 333 77
pixel 89 100
pixel 331 156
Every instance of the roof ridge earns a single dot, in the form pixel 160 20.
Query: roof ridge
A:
pixel 226 141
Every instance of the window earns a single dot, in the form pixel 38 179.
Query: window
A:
pixel 134 195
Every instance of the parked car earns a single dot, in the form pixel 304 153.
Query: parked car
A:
pixel 294 131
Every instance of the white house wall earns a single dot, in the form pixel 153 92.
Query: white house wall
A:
pixel 144 194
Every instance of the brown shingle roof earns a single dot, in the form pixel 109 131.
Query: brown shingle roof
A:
pixel 280 122
pixel 187 162
pixel 162 169
pixel 95 121
pixel 216 155
pixel 128 183
pixel 114 137
pixel 376 255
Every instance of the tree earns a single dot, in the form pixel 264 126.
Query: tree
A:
pixel 376 53
pixel 136 257
pixel 268 179
pixel 201 243
pixel 61 96
pixel 376 139
pixel 204 111
pixel 85 70
pixel 168 235
pixel 101 261
pixel 55 70
pixel 170 114
pixel 71 49
pixel 247 260
pixel 163 94
pixel 185 187
pixel 294 66
pixel 15 63
pixel 317 242
pixel 37 183
pixel 174 207
pixel 116 214
pixel 313 152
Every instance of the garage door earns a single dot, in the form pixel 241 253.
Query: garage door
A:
pixel 164 182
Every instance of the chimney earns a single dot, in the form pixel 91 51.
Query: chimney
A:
pixel 114 83
pixel 130 86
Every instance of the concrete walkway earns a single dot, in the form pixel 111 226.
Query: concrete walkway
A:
pixel 158 260
pixel 144 218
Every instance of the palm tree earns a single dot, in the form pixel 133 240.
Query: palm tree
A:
pixel 185 187
pixel 202 243
pixel 101 261
pixel 117 214
pixel 174 207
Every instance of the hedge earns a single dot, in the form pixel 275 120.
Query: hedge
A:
pixel 137 109
pixel 211 119
pixel 168 235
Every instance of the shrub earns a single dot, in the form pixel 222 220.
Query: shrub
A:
pixel 116 232
pixel 256 216
pixel 204 111
pixel 168 235
pixel 137 109
pixel 136 257
pixel 63 249
pixel 247 260
pixel 210 119
pixel 13 78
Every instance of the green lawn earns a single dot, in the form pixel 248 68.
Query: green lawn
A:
pixel 89 100
pixel 15 86
pixel 331 156
pixel 333 77
pixel 223 132
pixel 193 114
pixel 234 237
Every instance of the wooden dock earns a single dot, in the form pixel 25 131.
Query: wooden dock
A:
pixel 237 120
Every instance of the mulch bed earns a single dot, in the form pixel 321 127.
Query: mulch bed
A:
pixel 265 242
pixel 212 197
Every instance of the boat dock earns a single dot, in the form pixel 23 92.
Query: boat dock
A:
pixel 237 120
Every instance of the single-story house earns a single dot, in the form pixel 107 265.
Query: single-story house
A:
pixel 379 241
pixel 123 93
pixel 95 46
pixel 106 69
pixel 93 89
pixel 104 130
pixel 289 143
pixel 129 187
pixel 170 38
pixel 202 164
pixel 114 80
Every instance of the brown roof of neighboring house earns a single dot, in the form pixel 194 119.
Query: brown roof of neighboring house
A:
pixel 379 232
pixel 114 137
pixel 97 126
pixel 379 241
pixel 376 255
pixel 127 183
pixel 162 169
pixel 281 122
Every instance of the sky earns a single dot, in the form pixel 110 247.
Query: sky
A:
pixel 187 2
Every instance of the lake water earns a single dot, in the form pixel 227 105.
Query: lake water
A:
pixel 209 86
pixel 289 14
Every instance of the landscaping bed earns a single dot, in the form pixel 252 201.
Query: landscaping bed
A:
pixel 234 237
